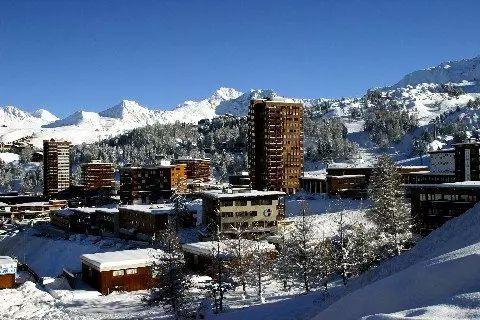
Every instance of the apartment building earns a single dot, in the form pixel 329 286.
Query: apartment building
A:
pixel 275 144
pixel 146 185
pixel 144 221
pixel 434 204
pixel 196 169
pixel 56 166
pixel 97 175
pixel 250 211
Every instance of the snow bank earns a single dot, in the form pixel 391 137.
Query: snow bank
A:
pixel 48 256
pixel 8 157
pixel 438 276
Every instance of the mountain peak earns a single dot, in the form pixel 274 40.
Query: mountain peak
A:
pixel 45 115
pixel 223 94
pixel 123 109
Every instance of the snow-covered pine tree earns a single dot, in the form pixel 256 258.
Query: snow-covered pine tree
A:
pixel 389 210
pixel 363 249
pixel 302 253
pixel 241 259
pixel 172 282
pixel 341 248
pixel 222 280
pixel 326 262
pixel 259 268
pixel 282 266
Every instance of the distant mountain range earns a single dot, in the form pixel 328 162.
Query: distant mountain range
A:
pixel 417 90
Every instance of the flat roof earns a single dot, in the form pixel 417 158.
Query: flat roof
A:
pixel 443 150
pixel 344 165
pixel 166 208
pixel 347 176
pixel 7 265
pixel 33 204
pixel 447 185
pixel 207 248
pixel 116 260
pixel 218 194
pixel 433 173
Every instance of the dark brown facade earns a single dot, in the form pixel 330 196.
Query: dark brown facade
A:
pixel 313 184
pixel 275 145
pixel 139 220
pixel 467 161
pixel 434 204
pixel 56 166
pixel 348 186
pixel 144 185
pixel 97 175
pixel 196 169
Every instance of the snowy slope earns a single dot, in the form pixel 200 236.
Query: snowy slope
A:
pixel 437 279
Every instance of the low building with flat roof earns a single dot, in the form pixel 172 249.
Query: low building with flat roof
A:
pixel 126 270
pixel 144 221
pixel 249 211
pixel 8 271
pixel 434 204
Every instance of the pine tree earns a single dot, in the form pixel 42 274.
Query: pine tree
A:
pixel 241 259
pixel 173 284
pixel 389 211
pixel 222 280
pixel 260 262
pixel 341 248
pixel 283 266
pixel 303 253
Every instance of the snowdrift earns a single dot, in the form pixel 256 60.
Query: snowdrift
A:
pixel 437 279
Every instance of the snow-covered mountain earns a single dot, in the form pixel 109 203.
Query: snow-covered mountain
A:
pixel 14 117
pixel 419 91
pixel 465 72
pixel 87 126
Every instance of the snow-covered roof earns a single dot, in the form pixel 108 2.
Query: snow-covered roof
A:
pixel 84 209
pixel 442 150
pixel 461 184
pixel 207 248
pixel 343 165
pixel 432 173
pixel 33 204
pixel 116 260
pixel 166 208
pixel 412 167
pixel 314 175
pixel 7 265
pixel 192 159
pixel 218 194
pixel 107 210
pixel 347 176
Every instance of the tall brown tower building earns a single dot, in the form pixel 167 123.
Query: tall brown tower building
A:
pixel 56 166
pixel 97 175
pixel 275 144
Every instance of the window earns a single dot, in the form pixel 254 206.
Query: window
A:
pixel 117 273
pixel 131 271
pixel 241 202
pixel 227 203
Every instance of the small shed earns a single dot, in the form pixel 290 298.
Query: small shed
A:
pixel 8 270
pixel 126 270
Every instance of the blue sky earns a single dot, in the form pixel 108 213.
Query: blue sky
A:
pixel 67 55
